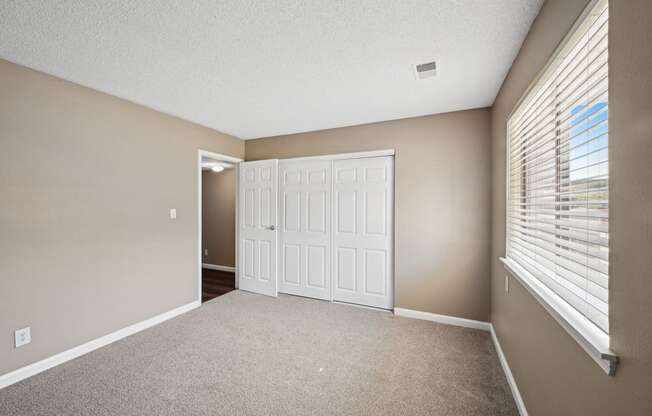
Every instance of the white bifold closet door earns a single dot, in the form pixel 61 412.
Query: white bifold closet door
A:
pixel 362 240
pixel 257 235
pixel 304 228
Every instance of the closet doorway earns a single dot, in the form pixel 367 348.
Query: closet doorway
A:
pixel 320 227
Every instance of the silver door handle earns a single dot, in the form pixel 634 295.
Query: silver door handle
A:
pixel 271 228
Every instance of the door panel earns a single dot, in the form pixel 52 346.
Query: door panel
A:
pixel 248 259
pixel 304 231
pixel 291 263
pixel 346 211
pixel 346 269
pixel 265 207
pixel 317 212
pixel 363 236
pixel 375 212
pixel 316 263
pixel 265 260
pixel 375 271
pixel 291 207
pixel 257 235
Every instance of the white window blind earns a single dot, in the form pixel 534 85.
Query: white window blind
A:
pixel 558 176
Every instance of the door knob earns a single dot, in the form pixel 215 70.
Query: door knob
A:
pixel 271 228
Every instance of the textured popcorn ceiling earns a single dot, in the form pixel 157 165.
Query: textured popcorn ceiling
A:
pixel 256 68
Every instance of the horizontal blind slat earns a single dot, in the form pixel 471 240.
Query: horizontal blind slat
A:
pixel 592 238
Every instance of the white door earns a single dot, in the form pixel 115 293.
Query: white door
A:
pixel 363 202
pixel 257 234
pixel 304 228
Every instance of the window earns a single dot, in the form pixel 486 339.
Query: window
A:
pixel 558 180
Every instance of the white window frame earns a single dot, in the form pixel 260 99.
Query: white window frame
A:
pixel 593 340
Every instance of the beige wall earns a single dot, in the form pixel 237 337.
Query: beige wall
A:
pixel 86 184
pixel 218 217
pixel 442 202
pixel 555 376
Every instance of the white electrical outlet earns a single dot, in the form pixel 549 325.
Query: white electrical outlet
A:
pixel 506 284
pixel 173 214
pixel 23 336
pixel 205 252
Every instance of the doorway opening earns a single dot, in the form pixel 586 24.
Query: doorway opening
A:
pixel 218 186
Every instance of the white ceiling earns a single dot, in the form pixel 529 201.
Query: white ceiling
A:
pixel 255 68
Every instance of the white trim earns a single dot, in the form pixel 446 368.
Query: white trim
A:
pixel 218 267
pixel 237 225
pixel 220 156
pixel 47 363
pixel 337 156
pixel 331 210
pixel 443 319
pixel 591 339
pixel 226 158
pixel 520 404
pixel 355 305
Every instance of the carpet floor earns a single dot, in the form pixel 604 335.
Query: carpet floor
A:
pixel 246 354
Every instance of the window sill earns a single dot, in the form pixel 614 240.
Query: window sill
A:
pixel 591 339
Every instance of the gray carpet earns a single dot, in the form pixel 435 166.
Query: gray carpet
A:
pixel 246 354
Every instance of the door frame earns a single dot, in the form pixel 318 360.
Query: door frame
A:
pixel 225 158
pixel 339 156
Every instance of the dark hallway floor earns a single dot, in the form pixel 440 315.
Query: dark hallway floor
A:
pixel 216 283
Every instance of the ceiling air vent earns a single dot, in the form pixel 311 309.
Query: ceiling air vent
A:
pixel 425 70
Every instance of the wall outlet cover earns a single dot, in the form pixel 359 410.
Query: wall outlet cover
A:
pixel 173 214
pixel 23 336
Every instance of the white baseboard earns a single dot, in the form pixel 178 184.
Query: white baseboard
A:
pixel 520 404
pixel 218 267
pixel 47 363
pixel 355 305
pixel 443 319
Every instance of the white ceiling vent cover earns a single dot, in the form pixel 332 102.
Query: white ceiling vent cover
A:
pixel 425 70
